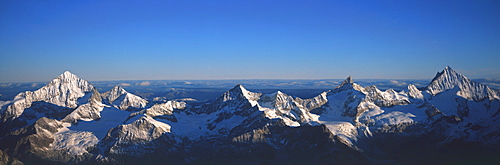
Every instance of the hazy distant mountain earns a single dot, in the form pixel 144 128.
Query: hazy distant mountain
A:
pixel 453 119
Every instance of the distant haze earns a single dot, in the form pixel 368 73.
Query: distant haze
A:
pixel 172 40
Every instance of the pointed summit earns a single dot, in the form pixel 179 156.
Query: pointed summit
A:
pixel 118 90
pixel 348 84
pixel 448 74
pixel 348 80
pixel 276 96
pixel 114 93
pixel 67 84
pixel 239 91
pixel 67 76
pixel 238 87
pixel 122 99
pixel 414 93
pixel 447 79
pixel 280 100
pixel 136 138
pixel 66 90
pixel 450 79
pixel 67 73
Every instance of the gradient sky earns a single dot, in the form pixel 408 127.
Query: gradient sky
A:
pixel 191 39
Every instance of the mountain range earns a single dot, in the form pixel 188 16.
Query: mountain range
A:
pixel 68 121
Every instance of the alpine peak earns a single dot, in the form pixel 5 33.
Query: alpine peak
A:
pixel 348 84
pixel 239 90
pixel 238 87
pixel 67 75
pixel 450 79
pixel 114 93
pixel 63 91
pixel 123 99
pixel 118 89
pixel 349 80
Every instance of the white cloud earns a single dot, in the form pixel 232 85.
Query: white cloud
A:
pixel 144 83
pixel 398 83
pixel 124 84
pixel 5 85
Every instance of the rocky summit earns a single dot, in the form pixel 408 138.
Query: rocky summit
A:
pixel 68 121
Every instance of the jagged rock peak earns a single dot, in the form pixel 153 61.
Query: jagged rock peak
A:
pixel 118 90
pixel 413 92
pixel 279 94
pixel 448 75
pixel 348 84
pixel 122 99
pixel 349 80
pixel 114 93
pixel 70 78
pixel 135 138
pixel 66 75
pixel 450 79
pixel 446 79
pixel 164 108
pixel 65 91
pixel 239 90
pixel 151 123
pixel 280 98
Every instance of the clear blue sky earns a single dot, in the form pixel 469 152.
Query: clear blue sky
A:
pixel 136 40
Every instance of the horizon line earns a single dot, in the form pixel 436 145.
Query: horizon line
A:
pixel 263 79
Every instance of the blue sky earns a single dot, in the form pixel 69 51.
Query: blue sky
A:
pixel 150 40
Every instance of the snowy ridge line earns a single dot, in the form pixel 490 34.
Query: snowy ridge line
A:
pixel 80 123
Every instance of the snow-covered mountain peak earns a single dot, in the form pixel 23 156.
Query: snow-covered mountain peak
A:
pixel 67 75
pixel 142 130
pixel 162 109
pixel 69 81
pixel 66 90
pixel 450 79
pixel 118 89
pixel 122 99
pixel 149 122
pixel 114 93
pixel 413 92
pixel 240 91
pixel 277 100
pixel 135 138
pixel 347 84
pixel 278 94
pixel 448 74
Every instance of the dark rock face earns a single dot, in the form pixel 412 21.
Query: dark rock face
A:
pixel 279 144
